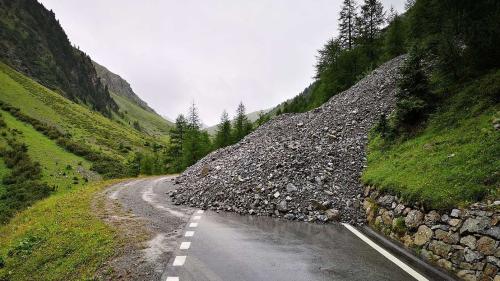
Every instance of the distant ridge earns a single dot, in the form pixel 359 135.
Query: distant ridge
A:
pixel 119 86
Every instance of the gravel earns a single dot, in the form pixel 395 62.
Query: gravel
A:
pixel 303 166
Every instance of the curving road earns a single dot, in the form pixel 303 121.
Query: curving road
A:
pixel 189 244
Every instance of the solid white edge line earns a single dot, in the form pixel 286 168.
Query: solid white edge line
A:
pixel 199 212
pixel 172 279
pixel 185 245
pixel 189 233
pixel 386 254
pixel 196 217
pixel 193 224
pixel 179 261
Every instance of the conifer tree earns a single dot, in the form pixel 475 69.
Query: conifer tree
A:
pixel 370 21
pixel 241 124
pixel 191 148
pixel 347 22
pixel 413 96
pixel 223 135
pixel 177 137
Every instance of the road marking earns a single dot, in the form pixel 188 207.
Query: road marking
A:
pixel 386 254
pixel 196 217
pixel 189 233
pixel 172 279
pixel 199 212
pixel 193 224
pixel 185 245
pixel 179 260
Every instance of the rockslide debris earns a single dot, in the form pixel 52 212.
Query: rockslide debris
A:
pixel 303 166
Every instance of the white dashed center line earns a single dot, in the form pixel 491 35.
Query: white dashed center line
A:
pixel 172 279
pixel 199 212
pixel 189 233
pixel 193 224
pixel 185 245
pixel 179 260
pixel 196 218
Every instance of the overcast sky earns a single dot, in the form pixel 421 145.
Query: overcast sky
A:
pixel 213 52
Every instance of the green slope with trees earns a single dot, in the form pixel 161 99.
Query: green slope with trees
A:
pixel 441 146
pixel 33 42
pixel 141 119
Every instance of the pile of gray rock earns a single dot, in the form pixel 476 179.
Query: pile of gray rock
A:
pixel 304 166
pixel 463 241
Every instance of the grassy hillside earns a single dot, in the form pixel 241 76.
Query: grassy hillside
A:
pixel 59 167
pixel 58 238
pixel 85 126
pixel 149 122
pixel 454 160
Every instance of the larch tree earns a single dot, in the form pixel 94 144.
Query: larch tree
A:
pixel 223 135
pixel 370 21
pixel 347 21
pixel 241 124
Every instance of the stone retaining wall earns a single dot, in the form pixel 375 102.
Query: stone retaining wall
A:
pixel 463 241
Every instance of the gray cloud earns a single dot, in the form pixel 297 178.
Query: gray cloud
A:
pixel 215 52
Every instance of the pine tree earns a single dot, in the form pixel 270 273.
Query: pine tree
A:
pixel 193 118
pixel 370 21
pixel 241 124
pixel 177 137
pixel 191 148
pixel 223 135
pixel 347 22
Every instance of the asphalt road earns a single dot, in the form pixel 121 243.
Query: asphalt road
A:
pixel 201 245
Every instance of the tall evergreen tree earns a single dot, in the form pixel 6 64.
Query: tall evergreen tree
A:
pixel 370 21
pixel 241 124
pixel 192 149
pixel 223 135
pixel 347 22
pixel 177 137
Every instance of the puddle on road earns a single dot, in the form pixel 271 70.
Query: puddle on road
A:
pixel 148 195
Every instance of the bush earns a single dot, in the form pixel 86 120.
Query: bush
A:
pixel 22 184
pixel 413 97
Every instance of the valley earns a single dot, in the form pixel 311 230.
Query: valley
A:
pixel 385 167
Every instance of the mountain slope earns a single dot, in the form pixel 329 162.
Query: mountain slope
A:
pixel 119 86
pixel 132 108
pixel 33 42
pixel 302 166
pixel 83 124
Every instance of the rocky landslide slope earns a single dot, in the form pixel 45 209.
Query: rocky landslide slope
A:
pixel 298 166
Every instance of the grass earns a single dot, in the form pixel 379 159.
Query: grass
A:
pixel 58 238
pixel 82 123
pixel 59 167
pixel 152 123
pixel 3 171
pixel 453 161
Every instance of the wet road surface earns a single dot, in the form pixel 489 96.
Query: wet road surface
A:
pixel 191 244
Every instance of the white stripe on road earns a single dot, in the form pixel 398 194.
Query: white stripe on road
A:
pixel 199 212
pixel 185 245
pixel 189 233
pixel 179 260
pixel 196 217
pixel 193 224
pixel 386 254
pixel 172 279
